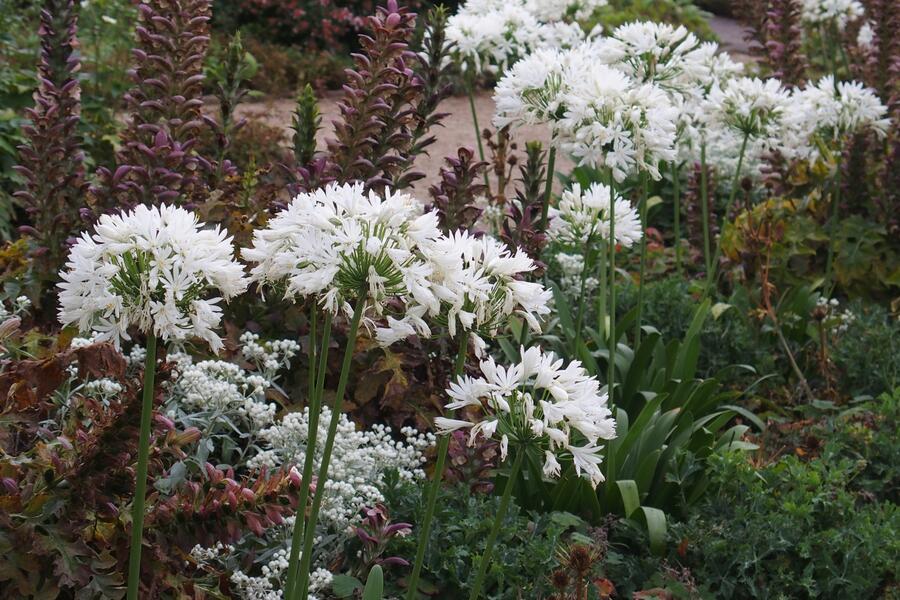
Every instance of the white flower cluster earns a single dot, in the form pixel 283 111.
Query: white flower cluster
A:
pixel 340 243
pixel 478 282
pixel 213 388
pixel 599 114
pixel 571 267
pixel 584 217
pixel 358 464
pixel 155 268
pixel 19 306
pixel 537 402
pixel 749 106
pixel 836 321
pixel 827 111
pixel 490 35
pixel 831 12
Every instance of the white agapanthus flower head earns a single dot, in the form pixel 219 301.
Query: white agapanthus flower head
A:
pixel 613 122
pixel 583 216
pixel 648 52
pixel 490 36
pixel 531 91
pixel 154 268
pixel 340 243
pixel 828 12
pixel 748 105
pixel 828 112
pixel 481 285
pixel 865 38
pixel 536 402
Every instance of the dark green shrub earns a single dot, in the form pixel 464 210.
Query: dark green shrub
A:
pixel 523 557
pixel 676 12
pixel 792 529
pixel 728 338
pixel 868 352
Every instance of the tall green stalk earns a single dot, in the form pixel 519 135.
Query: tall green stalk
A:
pixel 140 487
pixel 309 534
pixel 613 341
pixel 470 91
pixel 711 274
pixel 548 186
pixel 704 206
pixel 498 522
pixel 601 292
pixel 435 485
pixel 676 212
pixel 832 223
pixel 642 208
pixel 586 268
pixel 316 381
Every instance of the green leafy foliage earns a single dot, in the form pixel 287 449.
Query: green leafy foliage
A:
pixel 868 352
pixel 523 556
pixel 676 12
pixel 795 529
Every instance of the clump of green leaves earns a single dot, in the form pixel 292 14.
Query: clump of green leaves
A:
pixel 868 352
pixel 792 529
pixel 524 555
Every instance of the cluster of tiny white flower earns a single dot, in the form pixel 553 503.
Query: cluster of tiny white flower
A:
pixel 358 463
pixel 831 12
pixel 583 217
pixel 537 402
pixel 19 305
pixel 155 268
pixel 835 321
pixel 571 267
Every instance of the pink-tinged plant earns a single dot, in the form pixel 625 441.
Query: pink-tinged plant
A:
pixel 523 225
pixel 375 533
pixel 51 162
pixel 455 196
pixel 372 138
pixel 157 162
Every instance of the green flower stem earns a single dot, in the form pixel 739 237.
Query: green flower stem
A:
pixel 832 224
pixel 435 485
pixel 315 383
pixel 704 206
pixel 309 535
pixel 586 268
pixel 601 292
pixel 495 528
pixel 548 186
pixel 676 213
pixel 140 487
pixel 613 341
pixel 470 90
pixel 714 267
pixel 642 208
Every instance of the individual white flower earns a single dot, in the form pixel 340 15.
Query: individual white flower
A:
pixel 537 402
pixel 154 268
pixel 531 91
pixel 748 105
pixel 339 243
pixel 865 38
pixel 828 112
pixel 610 121
pixel 827 12
pixel 584 217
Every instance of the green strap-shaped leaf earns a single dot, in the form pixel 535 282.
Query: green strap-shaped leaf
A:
pixel 655 520
pixel 631 499
pixel 374 584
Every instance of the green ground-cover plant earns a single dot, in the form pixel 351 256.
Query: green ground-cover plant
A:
pixel 794 528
